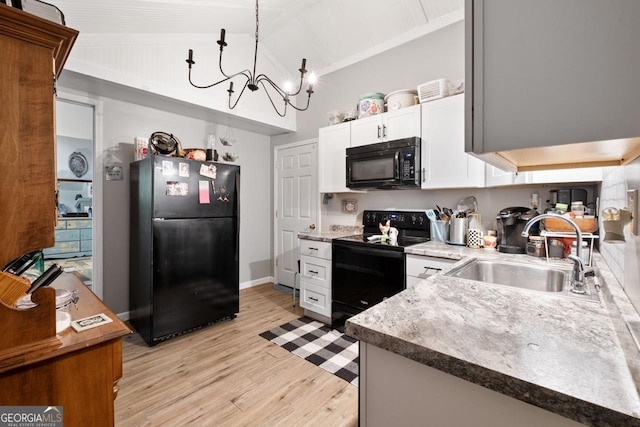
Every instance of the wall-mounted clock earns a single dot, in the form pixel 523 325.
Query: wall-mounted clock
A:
pixel 78 163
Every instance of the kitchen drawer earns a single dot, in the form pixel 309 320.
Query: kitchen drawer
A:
pixel 316 270
pixel 315 298
pixel 425 266
pixel 315 248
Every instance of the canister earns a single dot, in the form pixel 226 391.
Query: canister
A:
pixel 556 248
pixel 536 247
pixel 65 299
pixel 370 104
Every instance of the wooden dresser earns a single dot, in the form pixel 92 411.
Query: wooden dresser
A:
pixel 76 370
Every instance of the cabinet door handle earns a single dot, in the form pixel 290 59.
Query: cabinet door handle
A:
pixel 313 272
pixel 378 131
pixel 424 174
pixel 313 249
pixel 432 268
pixel 313 299
pixel 384 131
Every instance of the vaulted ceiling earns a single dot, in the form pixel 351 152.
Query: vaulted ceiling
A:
pixel 331 34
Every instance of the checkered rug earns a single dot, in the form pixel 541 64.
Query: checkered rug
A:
pixel 313 341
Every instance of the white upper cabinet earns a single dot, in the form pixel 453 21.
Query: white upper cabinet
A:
pixel 445 164
pixel 552 83
pixel 496 177
pixel 396 124
pixel 333 142
pixel 565 175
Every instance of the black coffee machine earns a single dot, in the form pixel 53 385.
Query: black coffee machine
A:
pixel 511 222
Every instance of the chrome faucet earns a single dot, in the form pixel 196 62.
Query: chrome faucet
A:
pixel 577 281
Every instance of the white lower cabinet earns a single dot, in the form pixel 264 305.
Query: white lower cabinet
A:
pixel 398 391
pixel 315 276
pixel 315 298
pixel 421 267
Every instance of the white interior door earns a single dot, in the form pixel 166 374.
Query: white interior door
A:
pixel 296 204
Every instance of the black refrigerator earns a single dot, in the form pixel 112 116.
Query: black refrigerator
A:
pixel 184 245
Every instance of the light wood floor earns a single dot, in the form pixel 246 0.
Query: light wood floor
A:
pixel 226 375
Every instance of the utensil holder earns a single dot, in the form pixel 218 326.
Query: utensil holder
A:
pixel 439 231
pixel 458 231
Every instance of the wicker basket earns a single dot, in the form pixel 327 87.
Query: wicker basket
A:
pixel 586 225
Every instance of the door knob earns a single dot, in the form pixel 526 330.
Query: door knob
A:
pixel 312 226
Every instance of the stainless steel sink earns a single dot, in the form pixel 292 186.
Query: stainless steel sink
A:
pixel 539 278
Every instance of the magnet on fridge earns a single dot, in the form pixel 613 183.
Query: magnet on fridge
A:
pixel 208 170
pixel 203 192
pixel 184 169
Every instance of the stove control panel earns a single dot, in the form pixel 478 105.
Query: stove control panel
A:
pixel 402 220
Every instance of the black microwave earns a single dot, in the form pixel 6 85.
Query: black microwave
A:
pixel 384 165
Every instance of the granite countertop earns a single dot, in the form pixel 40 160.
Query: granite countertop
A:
pixel 335 232
pixel 568 356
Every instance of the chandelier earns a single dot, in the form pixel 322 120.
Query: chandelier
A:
pixel 253 80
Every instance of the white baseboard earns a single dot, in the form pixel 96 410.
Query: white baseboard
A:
pixel 256 282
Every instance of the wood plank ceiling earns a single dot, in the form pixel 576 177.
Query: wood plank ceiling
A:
pixel 330 33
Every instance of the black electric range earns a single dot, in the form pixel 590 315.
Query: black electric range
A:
pixel 366 271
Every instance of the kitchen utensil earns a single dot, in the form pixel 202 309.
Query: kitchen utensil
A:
pixel 431 214
pixel 165 143
pixel 474 221
pixel 467 204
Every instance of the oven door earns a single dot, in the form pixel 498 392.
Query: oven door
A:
pixel 363 276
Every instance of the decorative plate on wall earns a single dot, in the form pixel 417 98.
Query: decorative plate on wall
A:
pixel 349 206
pixel 78 163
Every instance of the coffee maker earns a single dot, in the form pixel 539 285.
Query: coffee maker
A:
pixel 510 223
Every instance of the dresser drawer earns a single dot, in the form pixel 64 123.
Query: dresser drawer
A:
pixel 315 248
pixel 425 266
pixel 316 270
pixel 315 298
pixel 67 235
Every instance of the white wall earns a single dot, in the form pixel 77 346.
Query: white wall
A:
pixel 435 55
pixel 121 123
